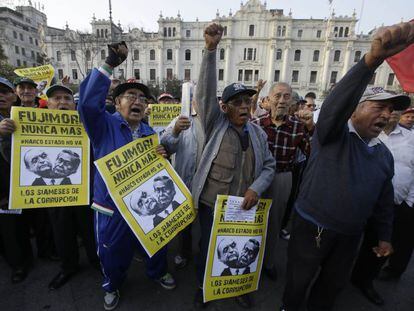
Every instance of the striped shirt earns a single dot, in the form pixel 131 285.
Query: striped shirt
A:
pixel 284 140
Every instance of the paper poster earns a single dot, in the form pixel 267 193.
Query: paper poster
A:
pixel 42 75
pixel 236 248
pixel 148 193
pixel 50 159
pixel 162 114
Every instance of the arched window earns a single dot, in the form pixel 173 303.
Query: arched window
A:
pixel 169 31
pixel 106 33
pixel 346 31
pixel 336 32
pixel 297 55
pixel 341 32
pixel 165 31
pixel 136 54
pixel 58 56
pixel 169 54
pixel 88 55
pixel 225 31
pixel 152 54
pixel 187 54
pixel 337 56
pixel 174 32
pixel 97 33
pixel 103 54
pixel 278 54
pixel 102 33
pixel 222 51
pixel 279 31
pixel 316 56
pixel 357 56
pixel 251 30
pixel 283 31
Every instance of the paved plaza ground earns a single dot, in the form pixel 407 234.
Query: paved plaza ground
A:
pixel 83 292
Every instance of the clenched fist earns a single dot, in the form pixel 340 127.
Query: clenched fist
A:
pixel 389 41
pixel 212 36
pixel 117 53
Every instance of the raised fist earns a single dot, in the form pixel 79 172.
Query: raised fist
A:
pixel 117 53
pixel 389 41
pixel 212 36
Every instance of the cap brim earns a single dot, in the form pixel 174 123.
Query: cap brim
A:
pixel 127 86
pixel 55 88
pixel 399 102
pixel 9 86
pixel 27 82
pixel 249 92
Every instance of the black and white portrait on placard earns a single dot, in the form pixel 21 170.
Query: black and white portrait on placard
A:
pixel 50 166
pixel 153 201
pixel 236 255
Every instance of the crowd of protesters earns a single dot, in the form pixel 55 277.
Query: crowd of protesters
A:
pixel 341 178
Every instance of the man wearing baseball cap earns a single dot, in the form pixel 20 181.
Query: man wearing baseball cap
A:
pixel 166 98
pixel 407 119
pixel 26 90
pixel 67 223
pixel 116 243
pixel 235 160
pixel 347 180
pixel 400 141
pixel 14 232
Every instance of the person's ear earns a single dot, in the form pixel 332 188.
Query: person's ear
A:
pixel 225 108
pixel 117 103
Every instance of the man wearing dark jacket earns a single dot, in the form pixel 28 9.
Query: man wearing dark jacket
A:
pixel 346 181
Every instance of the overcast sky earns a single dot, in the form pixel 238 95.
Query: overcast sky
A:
pixel 141 13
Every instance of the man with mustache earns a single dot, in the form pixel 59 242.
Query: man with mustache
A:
pixel 116 242
pixel 286 135
pixel 347 180
pixel 67 163
pixel 164 192
pixel 248 255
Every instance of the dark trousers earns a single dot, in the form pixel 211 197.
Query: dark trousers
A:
pixel 38 221
pixel 334 258
pixel 15 237
pixel 186 243
pixel 67 223
pixel 368 265
pixel 116 244
pixel 297 173
pixel 402 239
pixel 205 216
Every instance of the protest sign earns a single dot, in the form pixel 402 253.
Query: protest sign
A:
pixel 50 159
pixel 42 75
pixel 236 248
pixel 148 193
pixel 162 114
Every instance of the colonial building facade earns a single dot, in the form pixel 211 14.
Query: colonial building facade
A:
pixel 258 43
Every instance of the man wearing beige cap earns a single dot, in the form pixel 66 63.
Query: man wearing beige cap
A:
pixel 347 180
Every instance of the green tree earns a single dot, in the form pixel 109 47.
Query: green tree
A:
pixel 172 86
pixel 6 70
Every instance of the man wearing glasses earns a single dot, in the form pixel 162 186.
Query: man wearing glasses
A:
pixel 116 243
pixel 235 160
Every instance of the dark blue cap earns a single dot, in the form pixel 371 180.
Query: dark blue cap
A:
pixel 234 89
pixel 7 83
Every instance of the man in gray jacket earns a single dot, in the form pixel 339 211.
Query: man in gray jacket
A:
pixel 235 160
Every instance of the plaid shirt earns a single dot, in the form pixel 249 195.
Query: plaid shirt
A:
pixel 284 140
